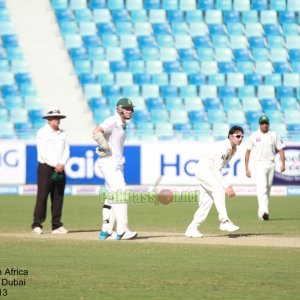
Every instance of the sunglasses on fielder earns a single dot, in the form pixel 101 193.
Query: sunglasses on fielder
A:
pixel 238 136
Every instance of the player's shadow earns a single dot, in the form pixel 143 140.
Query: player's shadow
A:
pixel 82 231
pixel 284 219
pixel 154 236
pixel 239 235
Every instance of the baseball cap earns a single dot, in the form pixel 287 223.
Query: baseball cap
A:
pixel 125 102
pixel 53 112
pixel 263 119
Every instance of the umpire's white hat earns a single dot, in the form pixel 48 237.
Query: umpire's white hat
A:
pixel 53 112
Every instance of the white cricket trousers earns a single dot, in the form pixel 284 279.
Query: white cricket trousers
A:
pixel 264 174
pixel 114 182
pixel 210 191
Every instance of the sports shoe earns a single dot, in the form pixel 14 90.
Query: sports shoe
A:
pixel 37 230
pixel 127 235
pixel 103 235
pixel 228 226
pixel 193 233
pixel 265 217
pixel 60 230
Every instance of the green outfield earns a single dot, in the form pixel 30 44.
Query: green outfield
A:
pixel 78 266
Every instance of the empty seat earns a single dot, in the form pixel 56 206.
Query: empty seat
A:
pixel 158 116
pixel 160 79
pixel 197 116
pixel 19 115
pixel 193 103
pixel 220 130
pixel 284 91
pixel 251 104
pixel 269 104
pixel 178 117
pixel 212 104
pixel 291 80
pixel 275 116
pixel 216 116
pixel 252 117
pixel 164 130
pixel 225 91
pixel 273 79
pixel 288 103
pixel 265 91
pixel 292 117
pixel 155 103
pixel 216 79
pixel 131 91
pixel 231 103
pixel 174 103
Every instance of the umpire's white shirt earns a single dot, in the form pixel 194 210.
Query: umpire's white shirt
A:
pixel 114 133
pixel 265 145
pixel 213 159
pixel 52 146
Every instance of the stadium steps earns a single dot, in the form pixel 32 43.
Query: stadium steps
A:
pixel 50 66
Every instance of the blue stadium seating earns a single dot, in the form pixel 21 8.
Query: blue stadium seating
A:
pixel 219 55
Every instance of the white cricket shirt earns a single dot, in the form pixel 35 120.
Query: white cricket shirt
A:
pixel 115 134
pixel 52 146
pixel 214 158
pixel 265 145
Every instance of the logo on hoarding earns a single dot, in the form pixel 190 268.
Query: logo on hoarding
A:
pixel 82 167
pixel 9 158
pixel 292 166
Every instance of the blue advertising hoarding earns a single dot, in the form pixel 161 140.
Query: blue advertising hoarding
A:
pixel 82 167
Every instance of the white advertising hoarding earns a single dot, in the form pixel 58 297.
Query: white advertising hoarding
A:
pixel 12 162
pixel 176 162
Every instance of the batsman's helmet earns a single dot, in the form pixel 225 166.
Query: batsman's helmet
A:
pixel 125 102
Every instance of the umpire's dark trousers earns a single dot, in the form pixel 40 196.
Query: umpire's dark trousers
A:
pixel 46 186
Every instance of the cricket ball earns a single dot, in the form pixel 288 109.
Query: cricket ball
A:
pixel 165 196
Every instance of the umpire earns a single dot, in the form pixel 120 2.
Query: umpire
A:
pixel 52 153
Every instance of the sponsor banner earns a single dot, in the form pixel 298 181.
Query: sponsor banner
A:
pixel 176 162
pixel 9 190
pixel 291 176
pixel 94 190
pixel 293 190
pixel 82 165
pixel 12 162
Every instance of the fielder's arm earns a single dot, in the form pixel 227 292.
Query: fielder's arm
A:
pixel 247 158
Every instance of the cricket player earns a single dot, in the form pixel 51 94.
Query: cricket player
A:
pixel 110 136
pixel 213 187
pixel 264 142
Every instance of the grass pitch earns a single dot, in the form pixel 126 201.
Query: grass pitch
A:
pixel 64 268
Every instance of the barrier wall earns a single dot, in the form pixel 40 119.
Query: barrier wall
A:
pixel 145 162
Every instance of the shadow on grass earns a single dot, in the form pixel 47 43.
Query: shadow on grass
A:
pixel 85 230
pixel 284 219
pixel 239 235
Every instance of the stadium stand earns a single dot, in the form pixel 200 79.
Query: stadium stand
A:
pixel 184 63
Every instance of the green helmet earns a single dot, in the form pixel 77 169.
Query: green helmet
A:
pixel 125 102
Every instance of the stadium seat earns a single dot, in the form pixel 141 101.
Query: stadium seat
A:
pixel 216 116
pixel 231 103
pixel 250 104
pixel 174 103
pixel 220 130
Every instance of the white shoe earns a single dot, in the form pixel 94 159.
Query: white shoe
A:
pixel 127 235
pixel 193 233
pixel 37 230
pixel 60 230
pixel 228 226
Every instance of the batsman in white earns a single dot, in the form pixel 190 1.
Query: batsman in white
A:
pixel 264 142
pixel 213 187
pixel 110 136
